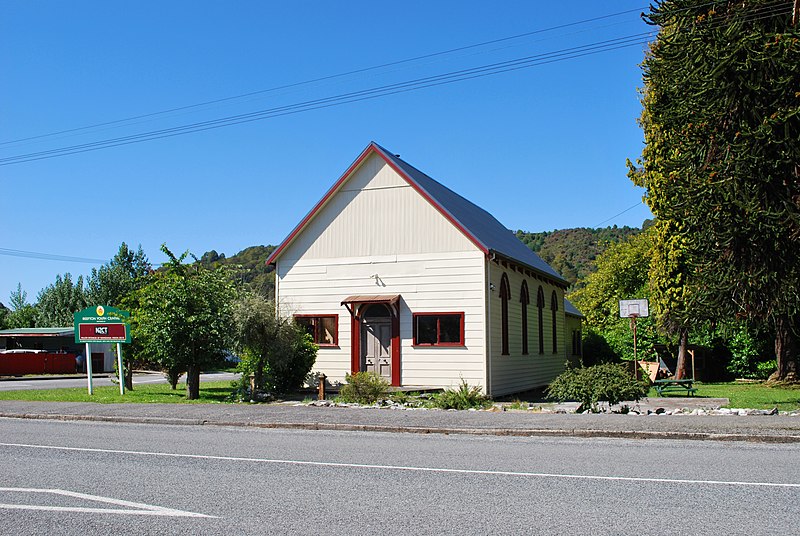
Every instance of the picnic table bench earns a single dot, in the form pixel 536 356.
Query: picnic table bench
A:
pixel 663 386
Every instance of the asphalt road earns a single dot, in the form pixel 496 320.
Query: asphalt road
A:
pixel 98 478
pixel 30 383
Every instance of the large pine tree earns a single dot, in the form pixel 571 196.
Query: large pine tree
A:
pixel 722 157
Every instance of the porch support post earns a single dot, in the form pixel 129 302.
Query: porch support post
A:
pixel 395 345
pixel 355 341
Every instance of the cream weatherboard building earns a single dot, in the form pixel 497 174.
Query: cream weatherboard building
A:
pixel 394 273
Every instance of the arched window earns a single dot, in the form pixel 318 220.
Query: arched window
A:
pixel 540 307
pixel 554 308
pixel 505 295
pixel 524 299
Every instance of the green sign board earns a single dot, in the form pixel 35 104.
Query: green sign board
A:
pixel 102 324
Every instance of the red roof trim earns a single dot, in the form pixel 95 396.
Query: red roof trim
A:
pixel 374 148
pixel 335 188
pixel 433 202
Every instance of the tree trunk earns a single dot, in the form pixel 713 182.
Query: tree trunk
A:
pixel 128 371
pixel 683 369
pixel 193 382
pixel 258 382
pixel 786 346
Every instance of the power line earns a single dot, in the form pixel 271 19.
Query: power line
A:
pixel 346 98
pixel 620 214
pixel 331 77
pixel 372 93
pixel 49 256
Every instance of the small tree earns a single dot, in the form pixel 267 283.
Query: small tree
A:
pixel 275 350
pixel 58 302
pixel 22 314
pixel 184 318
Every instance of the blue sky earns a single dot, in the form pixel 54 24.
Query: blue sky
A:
pixel 541 148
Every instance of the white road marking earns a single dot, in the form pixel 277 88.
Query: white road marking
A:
pixel 135 508
pixel 412 468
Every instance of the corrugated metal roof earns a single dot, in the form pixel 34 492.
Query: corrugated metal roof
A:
pixel 37 332
pixel 480 227
pixel 570 309
pixel 483 226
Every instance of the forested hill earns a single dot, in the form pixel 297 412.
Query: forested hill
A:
pixel 572 252
pixel 248 267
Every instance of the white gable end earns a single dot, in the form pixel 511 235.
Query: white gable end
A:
pixel 376 212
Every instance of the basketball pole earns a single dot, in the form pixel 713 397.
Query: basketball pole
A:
pixel 635 358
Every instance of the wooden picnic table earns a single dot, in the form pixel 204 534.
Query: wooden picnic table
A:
pixel 663 386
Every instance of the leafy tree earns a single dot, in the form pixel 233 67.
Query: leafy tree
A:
pixel 721 121
pixel 670 289
pixel 58 302
pixel 21 313
pixel 109 284
pixel 18 298
pixel 184 318
pixel 622 273
pixel 278 352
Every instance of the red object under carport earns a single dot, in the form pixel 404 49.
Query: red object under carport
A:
pixel 20 363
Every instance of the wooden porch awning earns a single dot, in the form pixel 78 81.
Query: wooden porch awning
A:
pixel 388 299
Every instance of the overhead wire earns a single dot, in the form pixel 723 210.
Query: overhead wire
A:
pixel 348 73
pixel 372 93
pixel 331 77
pixel 49 256
pixel 619 214
pixel 381 91
pixel 346 98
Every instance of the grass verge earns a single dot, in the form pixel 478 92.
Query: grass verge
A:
pixel 210 393
pixel 746 395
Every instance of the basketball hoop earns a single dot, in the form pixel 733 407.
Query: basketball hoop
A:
pixel 634 309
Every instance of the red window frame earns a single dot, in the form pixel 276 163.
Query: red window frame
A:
pixel 525 299
pixel 438 342
pixel 317 333
pixel 505 296
pixel 540 307
pixel 554 309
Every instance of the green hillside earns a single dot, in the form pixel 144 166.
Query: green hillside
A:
pixel 248 267
pixel 572 252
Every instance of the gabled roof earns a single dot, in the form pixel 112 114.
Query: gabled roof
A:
pixel 480 227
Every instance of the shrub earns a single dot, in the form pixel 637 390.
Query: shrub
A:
pixel 601 383
pixel 364 388
pixel 465 397
pixel 277 351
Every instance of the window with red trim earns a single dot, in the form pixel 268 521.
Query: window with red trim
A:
pixel 324 329
pixel 524 299
pixel 438 329
pixel 505 295
pixel 540 307
pixel 554 309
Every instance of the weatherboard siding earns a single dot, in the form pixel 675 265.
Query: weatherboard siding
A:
pixel 440 282
pixel 516 372
pixel 376 212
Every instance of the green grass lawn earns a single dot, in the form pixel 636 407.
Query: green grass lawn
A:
pixel 746 395
pixel 741 395
pixel 210 393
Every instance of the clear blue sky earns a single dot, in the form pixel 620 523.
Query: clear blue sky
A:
pixel 541 148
